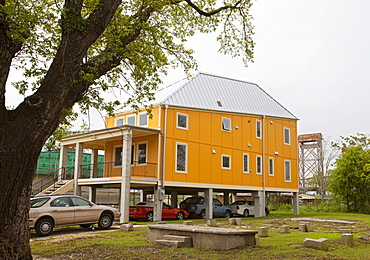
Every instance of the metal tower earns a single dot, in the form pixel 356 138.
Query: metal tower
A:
pixel 310 158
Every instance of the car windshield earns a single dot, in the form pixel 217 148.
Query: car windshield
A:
pixel 196 201
pixel 36 203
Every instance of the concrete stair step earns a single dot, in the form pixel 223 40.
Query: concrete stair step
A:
pixel 175 241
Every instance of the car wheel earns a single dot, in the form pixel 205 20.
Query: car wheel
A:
pixel 182 205
pixel 149 216
pixel 246 213
pixel 105 221
pixel 180 215
pixel 44 226
pixel 227 214
pixel 203 214
pixel 85 225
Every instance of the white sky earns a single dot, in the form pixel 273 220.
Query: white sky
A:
pixel 312 56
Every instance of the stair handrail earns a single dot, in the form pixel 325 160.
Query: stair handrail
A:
pixel 60 174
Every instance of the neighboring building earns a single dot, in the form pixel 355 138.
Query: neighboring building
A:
pixel 211 134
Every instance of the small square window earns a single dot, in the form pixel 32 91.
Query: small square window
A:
pixel 286 136
pixel 143 119
pixel 226 162
pixel 259 164
pixel 120 121
pixel 131 120
pixel 182 121
pixel 226 124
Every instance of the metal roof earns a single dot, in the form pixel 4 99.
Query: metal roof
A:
pixel 211 92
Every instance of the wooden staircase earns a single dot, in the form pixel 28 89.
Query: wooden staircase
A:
pixel 60 187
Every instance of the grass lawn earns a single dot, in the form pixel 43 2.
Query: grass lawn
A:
pixel 133 245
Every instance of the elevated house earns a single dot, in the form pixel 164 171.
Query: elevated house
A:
pixel 210 134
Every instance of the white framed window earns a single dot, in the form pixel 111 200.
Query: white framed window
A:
pixel 117 156
pixel 259 164
pixel 245 163
pixel 226 124
pixel 120 121
pixel 181 158
pixel 182 121
pixel 271 166
pixel 142 153
pixel 131 120
pixel 286 136
pixel 143 119
pixel 258 129
pixel 226 162
pixel 287 172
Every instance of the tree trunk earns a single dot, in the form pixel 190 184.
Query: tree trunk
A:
pixel 19 154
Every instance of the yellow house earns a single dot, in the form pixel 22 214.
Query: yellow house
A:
pixel 208 134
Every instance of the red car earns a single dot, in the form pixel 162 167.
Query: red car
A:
pixel 144 210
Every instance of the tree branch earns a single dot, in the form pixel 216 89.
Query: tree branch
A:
pixel 216 11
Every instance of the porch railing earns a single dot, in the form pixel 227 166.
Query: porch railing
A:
pixel 113 169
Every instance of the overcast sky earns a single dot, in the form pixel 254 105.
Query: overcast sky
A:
pixel 312 56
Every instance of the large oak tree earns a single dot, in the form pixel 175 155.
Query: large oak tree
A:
pixel 69 51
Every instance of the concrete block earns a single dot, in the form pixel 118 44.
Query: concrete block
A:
pixel 366 236
pixel 263 232
pixel 238 221
pixel 346 239
pixel 268 225
pixel 345 231
pixel 285 229
pixel 232 221
pixel 212 222
pixel 308 226
pixel 302 227
pixel 321 243
pixel 188 222
pixel 127 227
pixel 257 241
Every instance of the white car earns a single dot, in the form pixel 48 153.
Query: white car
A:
pixel 242 207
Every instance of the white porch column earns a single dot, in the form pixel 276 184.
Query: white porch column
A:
pixel 296 203
pixel 259 203
pixel 63 158
pixel 209 203
pixel 234 197
pixel 126 176
pixel 94 163
pixel 158 202
pixel 77 172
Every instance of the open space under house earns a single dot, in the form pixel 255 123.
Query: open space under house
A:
pixel 208 134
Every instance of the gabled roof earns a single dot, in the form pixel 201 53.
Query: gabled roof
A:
pixel 211 92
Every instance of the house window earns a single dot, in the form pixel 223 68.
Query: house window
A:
pixel 132 154
pixel 271 166
pixel 131 120
pixel 286 136
pixel 143 119
pixel 226 124
pixel 258 129
pixel 182 121
pixel 141 153
pixel 246 163
pixel 181 157
pixel 119 121
pixel 287 171
pixel 118 156
pixel 226 162
pixel 259 164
